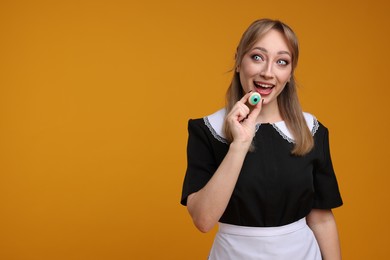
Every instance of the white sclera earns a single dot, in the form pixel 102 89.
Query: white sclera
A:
pixel 254 99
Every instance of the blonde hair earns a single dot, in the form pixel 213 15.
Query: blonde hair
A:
pixel 288 101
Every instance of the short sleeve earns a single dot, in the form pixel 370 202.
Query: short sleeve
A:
pixel 201 163
pixel 327 194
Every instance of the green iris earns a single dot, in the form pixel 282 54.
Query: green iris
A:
pixel 254 99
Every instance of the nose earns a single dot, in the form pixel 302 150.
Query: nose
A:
pixel 266 71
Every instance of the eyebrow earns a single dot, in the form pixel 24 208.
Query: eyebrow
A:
pixel 265 50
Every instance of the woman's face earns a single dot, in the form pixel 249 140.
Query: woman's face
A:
pixel 267 67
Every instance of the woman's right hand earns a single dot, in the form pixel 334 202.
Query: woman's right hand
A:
pixel 207 205
pixel 242 121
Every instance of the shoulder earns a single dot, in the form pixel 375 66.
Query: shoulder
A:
pixel 212 123
pixel 319 131
pixel 312 122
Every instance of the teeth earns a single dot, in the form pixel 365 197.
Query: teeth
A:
pixel 264 85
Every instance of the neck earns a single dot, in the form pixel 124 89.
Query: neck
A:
pixel 270 113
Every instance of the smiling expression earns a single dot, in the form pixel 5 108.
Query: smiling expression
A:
pixel 267 67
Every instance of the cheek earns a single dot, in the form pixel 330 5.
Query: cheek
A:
pixel 285 77
pixel 245 81
pixel 248 71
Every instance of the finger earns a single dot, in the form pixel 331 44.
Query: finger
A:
pixel 242 112
pixel 256 110
pixel 240 107
pixel 239 112
pixel 245 98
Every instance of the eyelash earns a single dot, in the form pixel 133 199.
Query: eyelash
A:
pixel 284 61
pixel 257 57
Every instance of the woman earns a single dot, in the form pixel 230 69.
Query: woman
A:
pixel 263 172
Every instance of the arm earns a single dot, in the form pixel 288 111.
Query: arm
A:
pixel 323 225
pixel 207 205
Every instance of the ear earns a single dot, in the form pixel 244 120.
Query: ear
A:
pixel 238 68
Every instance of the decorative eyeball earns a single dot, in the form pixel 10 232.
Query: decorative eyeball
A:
pixel 254 99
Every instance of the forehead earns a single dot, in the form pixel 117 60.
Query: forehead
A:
pixel 273 41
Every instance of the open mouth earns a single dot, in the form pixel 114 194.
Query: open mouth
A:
pixel 262 88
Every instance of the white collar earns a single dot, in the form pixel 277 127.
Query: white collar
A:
pixel 215 124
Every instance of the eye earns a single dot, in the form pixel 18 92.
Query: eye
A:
pixel 282 62
pixel 257 57
pixel 254 98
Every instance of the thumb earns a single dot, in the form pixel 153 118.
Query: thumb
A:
pixel 256 111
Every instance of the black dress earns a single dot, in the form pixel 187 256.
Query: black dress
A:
pixel 274 187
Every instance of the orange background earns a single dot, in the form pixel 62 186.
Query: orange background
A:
pixel 95 98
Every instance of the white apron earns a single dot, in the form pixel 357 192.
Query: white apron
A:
pixel 294 241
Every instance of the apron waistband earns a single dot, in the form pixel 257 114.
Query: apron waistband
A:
pixel 262 231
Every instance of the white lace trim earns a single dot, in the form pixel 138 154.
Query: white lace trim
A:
pixel 213 132
pixel 215 121
pixel 282 129
pixel 285 136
